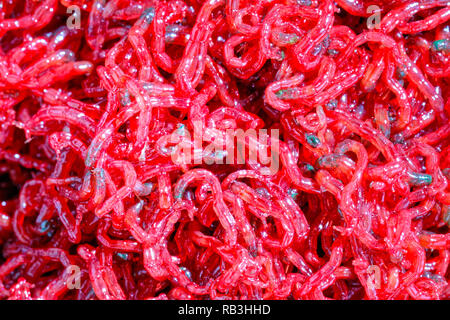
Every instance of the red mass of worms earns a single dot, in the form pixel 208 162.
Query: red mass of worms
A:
pixel 93 205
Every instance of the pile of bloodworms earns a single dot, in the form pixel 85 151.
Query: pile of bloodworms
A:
pixel 93 205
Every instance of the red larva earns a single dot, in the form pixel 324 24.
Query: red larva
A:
pixel 118 181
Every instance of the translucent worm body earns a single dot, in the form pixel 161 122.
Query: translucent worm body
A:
pixel 224 149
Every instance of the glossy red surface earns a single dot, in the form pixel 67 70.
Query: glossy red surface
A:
pixel 99 98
